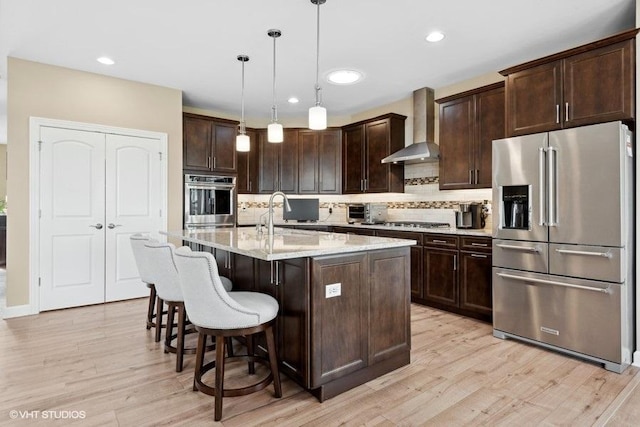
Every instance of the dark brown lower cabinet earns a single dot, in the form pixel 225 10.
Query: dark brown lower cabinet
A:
pixel 330 344
pixel 457 275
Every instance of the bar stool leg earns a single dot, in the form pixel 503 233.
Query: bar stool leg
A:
pixel 220 344
pixel 273 361
pixel 152 305
pixel 252 365
pixel 202 343
pixel 180 343
pixel 170 315
pixel 159 310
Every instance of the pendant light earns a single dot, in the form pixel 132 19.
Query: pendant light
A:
pixel 242 139
pixel 274 130
pixel 317 113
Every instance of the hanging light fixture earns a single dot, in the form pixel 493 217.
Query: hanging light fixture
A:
pixel 242 139
pixel 274 130
pixel 317 113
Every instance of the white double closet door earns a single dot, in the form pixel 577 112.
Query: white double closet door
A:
pixel 96 190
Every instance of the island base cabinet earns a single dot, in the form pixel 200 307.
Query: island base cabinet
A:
pixel 330 341
pixel 365 330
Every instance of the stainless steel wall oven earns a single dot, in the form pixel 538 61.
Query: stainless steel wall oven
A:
pixel 209 201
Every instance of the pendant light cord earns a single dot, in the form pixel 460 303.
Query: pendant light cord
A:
pixel 274 109
pixel 318 55
pixel 242 125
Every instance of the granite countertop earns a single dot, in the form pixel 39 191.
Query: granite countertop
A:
pixel 485 232
pixel 286 243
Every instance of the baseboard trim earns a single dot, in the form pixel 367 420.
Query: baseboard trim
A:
pixel 18 311
pixel 636 358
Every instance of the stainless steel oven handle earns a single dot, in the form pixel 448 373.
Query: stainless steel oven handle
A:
pixel 541 185
pixel 586 253
pixel 519 248
pixel 553 282
pixel 210 186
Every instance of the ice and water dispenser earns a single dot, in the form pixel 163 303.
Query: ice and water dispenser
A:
pixel 515 206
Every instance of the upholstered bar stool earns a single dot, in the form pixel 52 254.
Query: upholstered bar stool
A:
pixel 218 313
pixel 153 319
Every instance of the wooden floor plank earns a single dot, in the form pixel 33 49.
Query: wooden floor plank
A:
pixel 101 360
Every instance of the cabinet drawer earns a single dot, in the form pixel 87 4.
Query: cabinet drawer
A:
pixel 440 240
pixel 479 244
pixel 401 235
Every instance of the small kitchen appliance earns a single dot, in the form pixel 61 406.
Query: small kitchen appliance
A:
pixel 367 213
pixel 470 215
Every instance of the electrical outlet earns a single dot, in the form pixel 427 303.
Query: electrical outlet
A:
pixel 333 290
pixel 330 208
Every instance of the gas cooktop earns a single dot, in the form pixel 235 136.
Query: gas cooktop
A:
pixel 417 224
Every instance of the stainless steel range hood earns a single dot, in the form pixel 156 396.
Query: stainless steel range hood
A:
pixel 423 149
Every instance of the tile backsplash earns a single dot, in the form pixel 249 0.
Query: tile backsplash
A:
pixel 421 201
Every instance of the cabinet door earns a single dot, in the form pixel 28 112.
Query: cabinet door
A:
pixel 293 317
pixel 247 181
pixel 196 144
pixel 224 148
pixel 389 304
pixel 268 165
pixel 534 98
pixel 490 116
pixel 339 333
pixel 475 282
pixel 378 135
pixel 329 162
pixel 599 85
pixel 441 276
pixel 308 152
pixel 457 167
pixel 353 159
pixel 288 164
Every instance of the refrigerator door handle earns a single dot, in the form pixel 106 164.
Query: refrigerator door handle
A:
pixel 552 187
pixel 518 248
pixel 553 282
pixel 541 176
pixel 586 253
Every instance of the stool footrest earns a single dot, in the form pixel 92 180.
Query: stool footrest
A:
pixel 241 391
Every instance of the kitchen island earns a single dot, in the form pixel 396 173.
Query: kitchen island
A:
pixel 344 299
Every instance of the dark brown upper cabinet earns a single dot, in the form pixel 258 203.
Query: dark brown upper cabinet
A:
pixel 208 144
pixel 247 181
pixel 589 84
pixel 469 122
pixel 364 145
pixel 319 161
pixel 278 163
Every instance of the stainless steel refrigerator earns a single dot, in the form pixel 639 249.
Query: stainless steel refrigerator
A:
pixel 563 241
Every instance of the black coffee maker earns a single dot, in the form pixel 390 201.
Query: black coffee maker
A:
pixel 470 215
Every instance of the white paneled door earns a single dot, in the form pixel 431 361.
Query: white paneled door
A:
pixel 96 190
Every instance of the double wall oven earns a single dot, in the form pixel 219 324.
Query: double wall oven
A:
pixel 209 201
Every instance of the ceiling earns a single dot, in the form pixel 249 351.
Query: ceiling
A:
pixel 192 45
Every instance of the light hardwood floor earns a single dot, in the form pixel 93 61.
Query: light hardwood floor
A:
pixel 101 360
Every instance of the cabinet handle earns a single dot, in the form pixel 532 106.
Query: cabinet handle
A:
pixel 484 245
pixel 455 262
pixel 439 241
pixel 478 256
pixel 557 113
pixel 362 185
pixel 566 111
pixel 214 163
pixel 366 184
pixel 470 176
pixel 477 175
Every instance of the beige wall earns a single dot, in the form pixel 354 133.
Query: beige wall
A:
pixel 3 171
pixel 47 91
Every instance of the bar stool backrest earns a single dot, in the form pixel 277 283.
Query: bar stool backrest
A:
pixel 139 254
pixel 205 298
pixel 163 270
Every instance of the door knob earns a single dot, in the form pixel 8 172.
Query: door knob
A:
pixel 97 226
pixel 112 225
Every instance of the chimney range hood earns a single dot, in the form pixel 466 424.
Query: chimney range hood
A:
pixel 423 149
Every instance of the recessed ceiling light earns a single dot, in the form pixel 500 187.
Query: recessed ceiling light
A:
pixel 105 60
pixel 293 100
pixel 435 36
pixel 344 77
